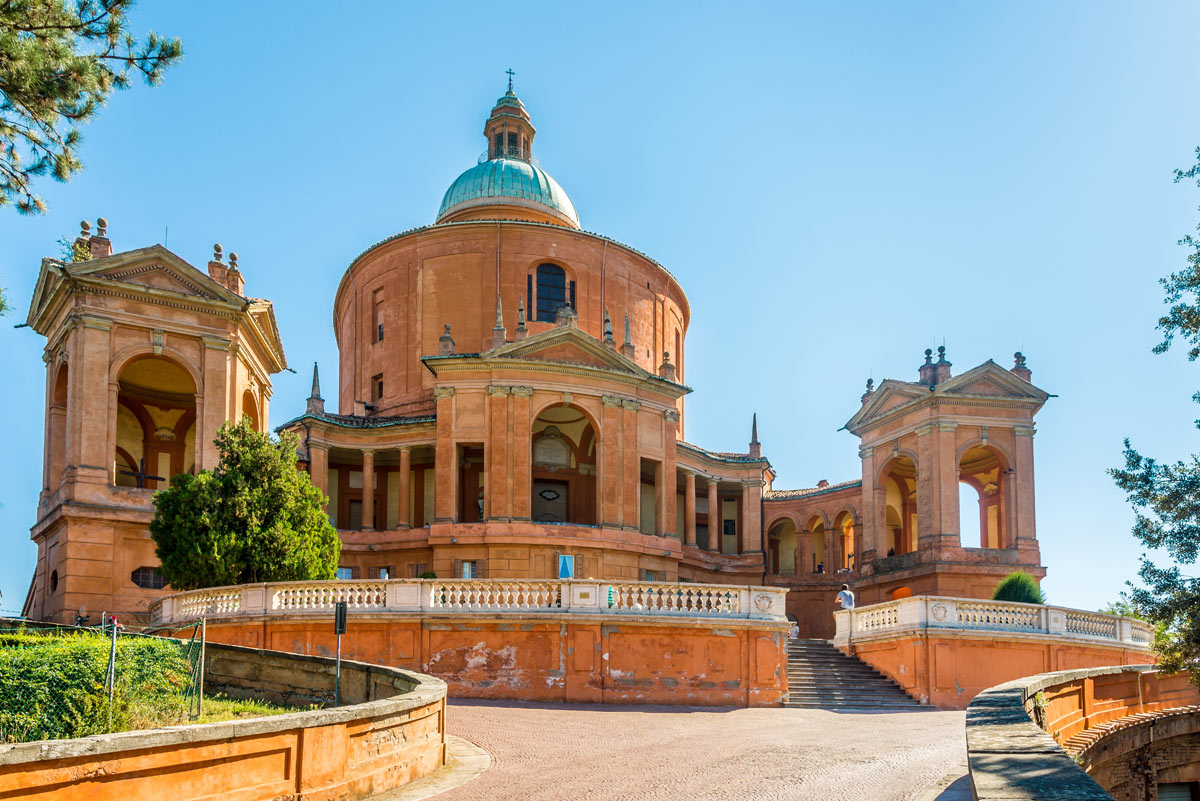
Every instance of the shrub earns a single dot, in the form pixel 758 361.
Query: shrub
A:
pixel 52 687
pixel 1019 587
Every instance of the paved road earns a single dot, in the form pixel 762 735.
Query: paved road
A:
pixel 577 752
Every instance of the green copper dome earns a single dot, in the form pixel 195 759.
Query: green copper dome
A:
pixel 508 181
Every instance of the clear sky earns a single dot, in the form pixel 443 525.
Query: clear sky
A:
pixel 837 186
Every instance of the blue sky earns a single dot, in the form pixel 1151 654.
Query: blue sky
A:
pixel 837 187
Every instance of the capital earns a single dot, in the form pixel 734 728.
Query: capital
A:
pixel 493 389
pixel 611 400
pixel 215 343
pixel 632 405
pixel 443 392
pixel 947 426
pixel 98 323
pixel 924 429
pixel 671 415
pixel 521 392
pixel 1023 431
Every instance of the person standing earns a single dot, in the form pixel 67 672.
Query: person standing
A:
pixel 845 601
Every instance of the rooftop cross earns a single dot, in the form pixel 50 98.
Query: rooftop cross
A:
pixel 510 77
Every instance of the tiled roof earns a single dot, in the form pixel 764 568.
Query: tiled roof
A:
pixel 721 456
pixel 783 495
pixel 358 421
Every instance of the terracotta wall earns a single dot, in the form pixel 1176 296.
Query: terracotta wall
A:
pixel 540 658
pixel 948 670
pixel 1082 702
pixel 393 733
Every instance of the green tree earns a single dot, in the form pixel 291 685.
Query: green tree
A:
pixel 1019 587
pixel 59 62
pixel 256 517
pixel 1166 497
pixel 1126 608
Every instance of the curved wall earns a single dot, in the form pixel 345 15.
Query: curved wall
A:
pixel 418 282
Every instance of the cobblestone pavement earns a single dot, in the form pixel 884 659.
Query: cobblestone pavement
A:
pixel 576 751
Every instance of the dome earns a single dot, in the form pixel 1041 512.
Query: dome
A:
pixel 508 182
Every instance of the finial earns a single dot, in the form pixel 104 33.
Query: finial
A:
pixel 870 385
pixel 499 313
pixel 520 312
pixel 608 332
pixel 446 343
pixel 929 356
pixel 510 77
pixel 85 229
pixel 233 262
pixel 218 251
pixel 101 227
pixel 1018 359
pixel 316 385
pixel 447 331
pixel 941 354
pixel 628 338
pixel 754 428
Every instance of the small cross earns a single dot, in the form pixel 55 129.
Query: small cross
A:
pixel 141 475
pixel 510 74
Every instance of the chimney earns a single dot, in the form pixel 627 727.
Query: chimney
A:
pixel 666 369
pixel 233 279
pixel 627 349
pixel 927 370
pixel 316 404
pixel 100 245
pixel 499 334
pixel 755 445
pixel 941 373
pixel 446 343
pixel 217 270
pixel 81 249
pixel 521 332
pixel 1019 367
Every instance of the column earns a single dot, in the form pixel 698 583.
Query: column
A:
pixel 804 552
pixel 751 534
pixel 715 527
pixel 871 523
pixel 318 470
pixel 522 456
pixel 1021 486
pixel 368 490
pixel 89 414
pixel 216 392
pixel 798 555
pixel 631 491
pixel 947 523
pixel 610 461
pixel 405 512
pixel 445 468
pixel 689 508
pixel 670 476
pixel 927 484
pixel 495 454
pixel 833 548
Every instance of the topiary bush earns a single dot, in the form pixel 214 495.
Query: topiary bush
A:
pixel 1019 587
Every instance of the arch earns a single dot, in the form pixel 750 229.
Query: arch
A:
pixel 152 420
pixel 818 546
pixel 125 357
pixel 56 451
pixel 845 527
pixel 782 546
pixel 564 445
pixel 781 516
pixel 898 517
pixel 250 409
pixel 900 592
pixel 984 469
pixel 1000 450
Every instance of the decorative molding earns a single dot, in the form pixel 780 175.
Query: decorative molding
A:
pixel 922 430
pixel 566 397
pixel 671 415
pixel 611 400
pixel 216 343
pixel 494 389
pixel 98 323
pixel 521 392
pixel 443 392
pixel 1023 431
pixel 156 341
pixel 947 426
pixel 631 404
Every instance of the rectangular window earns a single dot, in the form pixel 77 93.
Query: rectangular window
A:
pixel 415 570
pixel 355 515
pixel 650 575
pixel 469 570
pixel 376 387
pixel 377 314
pixel 529 291
pixel 566 566
pixel 573 306
pixel 381 572
pixel 345 573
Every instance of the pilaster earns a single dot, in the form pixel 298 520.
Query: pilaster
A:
pixel 610 460
pixel 445 500
pixel 522 455
pixel 496 495
pixel 631 472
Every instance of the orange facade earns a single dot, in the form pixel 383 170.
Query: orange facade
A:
pixel 510 404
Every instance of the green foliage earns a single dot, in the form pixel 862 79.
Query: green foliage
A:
pixel 1019 587
pixel 3 302
pixel 1125 608
pixel 52 687
pixel 427 574
pixel 256 517
pixel 72 250
pixel 1166 496
pixel 59 62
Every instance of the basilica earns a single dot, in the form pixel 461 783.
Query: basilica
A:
pixel 510 403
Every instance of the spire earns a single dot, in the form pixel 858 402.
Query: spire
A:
pixel 508 129
pixel 608 332
pixel 627 349
pixel 510 76
pixel 316 404
pixel 499 334
pixel 755 445
pixel 521 331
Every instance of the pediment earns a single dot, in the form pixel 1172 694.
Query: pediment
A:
pixel 984 386
pixel 567 345
pixel 158 276
pixel 990 378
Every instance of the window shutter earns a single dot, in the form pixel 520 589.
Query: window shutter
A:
pixel 480 571
pixel 457 568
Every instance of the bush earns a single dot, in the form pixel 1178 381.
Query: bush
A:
pixel 52 687
pixel 1019 587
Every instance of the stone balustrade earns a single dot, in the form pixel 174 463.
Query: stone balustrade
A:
pixel 938 614
pixel 470 596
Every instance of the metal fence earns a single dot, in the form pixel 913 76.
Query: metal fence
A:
pixel 60 681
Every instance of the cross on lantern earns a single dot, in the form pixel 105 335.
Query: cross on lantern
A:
pixel 141 475
pixel 510 74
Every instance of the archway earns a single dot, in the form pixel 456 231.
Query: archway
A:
pixel 818 550
pixel 844 529
pixel 563 466
pixel 56 458
pixel 900 506
pixel 156 417
pixel 982 487
pixel 782 552
pixel 250 409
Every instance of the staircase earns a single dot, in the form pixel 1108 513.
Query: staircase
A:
pixel 822 677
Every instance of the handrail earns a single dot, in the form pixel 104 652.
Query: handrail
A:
pixel 492 596
pixel 936 613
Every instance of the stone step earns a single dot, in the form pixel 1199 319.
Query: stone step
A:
pixel 822 677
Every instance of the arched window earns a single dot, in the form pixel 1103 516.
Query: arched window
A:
pixel 551 291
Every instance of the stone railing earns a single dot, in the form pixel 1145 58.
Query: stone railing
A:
pixel 933 613
pixel 488 596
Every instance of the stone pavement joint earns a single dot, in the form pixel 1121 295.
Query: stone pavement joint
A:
pixel 578 752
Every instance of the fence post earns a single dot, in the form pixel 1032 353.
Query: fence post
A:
pixel 111 679
pixel 200 691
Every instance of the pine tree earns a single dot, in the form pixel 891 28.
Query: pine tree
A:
pixel 59 62
pixel 256 517
pixel 1166 497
